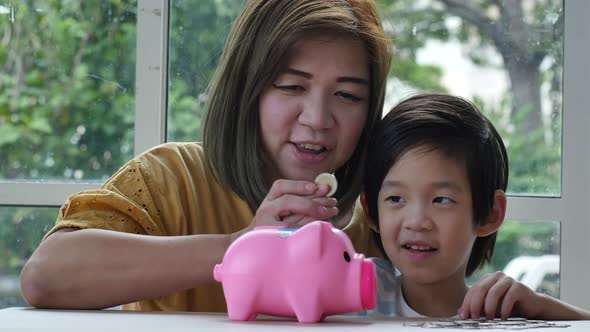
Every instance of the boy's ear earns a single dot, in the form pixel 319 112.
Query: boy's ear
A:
pixel 496 218
pixel 370 222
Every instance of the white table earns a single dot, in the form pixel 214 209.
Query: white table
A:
pixel 28 319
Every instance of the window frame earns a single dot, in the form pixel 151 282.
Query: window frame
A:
pixel 571 208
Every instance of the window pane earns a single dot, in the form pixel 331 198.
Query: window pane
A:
pixel 21 230
pixel 529 252
pixel 504 55
pixel 66 88
pixel 197 35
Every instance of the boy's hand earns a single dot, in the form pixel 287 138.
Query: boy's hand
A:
pixel 498 295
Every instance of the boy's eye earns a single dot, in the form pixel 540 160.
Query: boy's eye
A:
pixel 442 200
pixel 348 96
pixel 395 199
pixel 292 88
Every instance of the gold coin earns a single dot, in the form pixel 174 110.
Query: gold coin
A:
pixel 330 180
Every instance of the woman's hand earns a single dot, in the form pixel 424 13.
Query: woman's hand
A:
pixel 293 203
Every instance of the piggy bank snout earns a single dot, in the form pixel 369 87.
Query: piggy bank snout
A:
pixel 368 284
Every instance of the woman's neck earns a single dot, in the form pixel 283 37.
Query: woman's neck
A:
pixel 440 299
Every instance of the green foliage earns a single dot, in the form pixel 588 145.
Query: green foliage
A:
pixel 66 88
pixel 67 96
pixel 21 230
pixel 66 104
pixel 535 156
pixel 423 77
pixel 410 28
pixel 524 239
pixel 197 36
pixel 535 162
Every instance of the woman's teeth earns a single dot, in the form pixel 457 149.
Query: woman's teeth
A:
pixel 311 147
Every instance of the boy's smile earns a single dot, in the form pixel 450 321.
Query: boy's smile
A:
pixel 425 217
pixel 419 249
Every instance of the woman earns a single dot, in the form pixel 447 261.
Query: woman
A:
pixel 299 86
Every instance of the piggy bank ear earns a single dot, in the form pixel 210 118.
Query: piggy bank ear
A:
pixel 310 240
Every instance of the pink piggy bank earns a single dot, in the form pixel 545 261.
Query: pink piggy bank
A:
pixel 308 273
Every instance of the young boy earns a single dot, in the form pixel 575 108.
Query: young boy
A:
pixel 435 196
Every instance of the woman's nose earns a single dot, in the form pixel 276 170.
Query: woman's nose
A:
pixel 316 113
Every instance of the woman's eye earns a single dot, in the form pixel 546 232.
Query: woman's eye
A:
pixel 288 87
pixel 442 200
pixel 349 96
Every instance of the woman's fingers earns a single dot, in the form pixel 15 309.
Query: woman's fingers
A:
pixel 293 209
pixel 318 208
pixel 296 221
pixel 295 203
pixel 289 187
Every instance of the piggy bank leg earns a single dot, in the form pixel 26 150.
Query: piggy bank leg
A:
pixel 240 301
pixel 240 314
pixel 308 312
pixel 305 303
pixel 238 310
pixel 309 316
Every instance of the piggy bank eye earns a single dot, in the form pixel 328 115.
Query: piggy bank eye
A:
pixel 346 256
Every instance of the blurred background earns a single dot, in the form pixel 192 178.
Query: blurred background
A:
pixel 67 99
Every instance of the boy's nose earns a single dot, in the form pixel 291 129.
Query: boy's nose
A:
pixel 316 113
pixel 417 219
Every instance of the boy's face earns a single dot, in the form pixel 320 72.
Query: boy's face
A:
pixel 425 216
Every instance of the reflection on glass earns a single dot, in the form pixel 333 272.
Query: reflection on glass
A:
pixel 529 252
pixel 504 55
pixel 21 230
pixel 66 88
pixel 197 35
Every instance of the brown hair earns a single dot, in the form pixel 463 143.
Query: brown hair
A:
pixel 455 126
pixel 254 54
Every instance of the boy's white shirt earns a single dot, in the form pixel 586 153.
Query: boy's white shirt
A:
pixel 390 298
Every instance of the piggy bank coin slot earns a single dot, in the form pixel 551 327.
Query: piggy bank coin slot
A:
pixel 286 232
pixel 346 257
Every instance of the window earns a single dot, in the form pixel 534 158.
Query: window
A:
pixel 20 233
pixel 520 62
pixel 507 57
pixel 67 89
pixel 527 251
pixel 197 35
pixel 67 121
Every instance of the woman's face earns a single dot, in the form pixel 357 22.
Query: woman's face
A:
pixel 313 113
